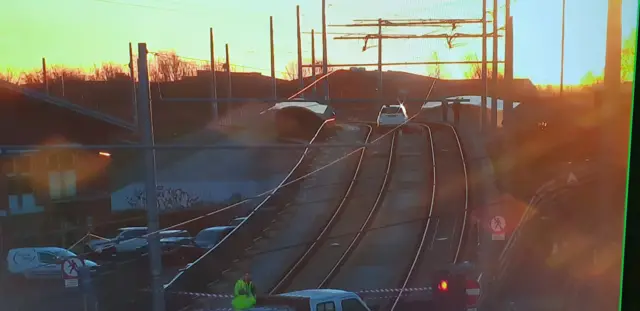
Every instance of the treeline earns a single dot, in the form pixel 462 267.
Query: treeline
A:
pixel 164 66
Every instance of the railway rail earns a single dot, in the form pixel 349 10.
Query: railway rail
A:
pixel 218 266
pixel 358 186
pixel 447 211
pixel 421 266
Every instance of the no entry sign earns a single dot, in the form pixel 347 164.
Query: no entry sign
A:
pixel 71 271
pixel 498 227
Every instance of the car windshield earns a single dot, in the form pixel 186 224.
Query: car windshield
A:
pixel 390 110
pixel 63 253
pixel 175 234
pixel 131 233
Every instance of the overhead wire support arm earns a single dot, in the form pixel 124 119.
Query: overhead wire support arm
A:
pixel 425 36
pixel 463 62
pixel 410 23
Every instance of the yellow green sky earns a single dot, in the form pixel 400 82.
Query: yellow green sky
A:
pixel 86 32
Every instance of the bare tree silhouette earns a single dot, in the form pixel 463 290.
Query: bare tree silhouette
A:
pixel 291 70
pixel 590 79
pixel 629 56
pixel 108 71
pixel 627 63
pixel 168 66
pixel 58 72
pixel 10 76
pixel 32 77
pixel 475 70
pixel 434 71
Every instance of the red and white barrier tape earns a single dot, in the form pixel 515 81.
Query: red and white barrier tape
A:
pixel 361 292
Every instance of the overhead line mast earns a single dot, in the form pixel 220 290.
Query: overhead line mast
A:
pixel 446 24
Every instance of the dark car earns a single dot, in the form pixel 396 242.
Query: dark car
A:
pixel 190 250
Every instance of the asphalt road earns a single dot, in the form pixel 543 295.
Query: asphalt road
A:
pixel 285 239
pixel 353 215
pixel 382 257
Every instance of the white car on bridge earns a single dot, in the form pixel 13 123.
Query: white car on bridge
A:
pixel 392 116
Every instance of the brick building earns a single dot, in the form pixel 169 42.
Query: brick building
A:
pixel 43 193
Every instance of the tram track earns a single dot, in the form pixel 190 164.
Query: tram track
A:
pixel 356 209
pixel 450 204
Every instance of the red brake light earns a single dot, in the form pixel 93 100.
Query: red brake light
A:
pixel 443 286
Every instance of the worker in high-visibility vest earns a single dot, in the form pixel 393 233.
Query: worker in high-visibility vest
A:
pixel 244 293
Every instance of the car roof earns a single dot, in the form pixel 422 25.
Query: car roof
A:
pixel 320 294
pixel 393 105
pixel 176 238
pixel 172 231
pixel 132 228
pixel 40 248
pixel 219 228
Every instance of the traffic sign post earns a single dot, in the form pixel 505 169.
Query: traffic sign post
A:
pixel 71 271
pixel 498 227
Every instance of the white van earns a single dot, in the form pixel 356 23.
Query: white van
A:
pixel 41 262
pixel 314 300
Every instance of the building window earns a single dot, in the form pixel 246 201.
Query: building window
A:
pixel 62 184
pixel 62 176
pixel 61 161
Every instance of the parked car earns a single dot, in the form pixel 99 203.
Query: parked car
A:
pixel 236 221
pixel 182 255
pixel 41 262
pixel 131 239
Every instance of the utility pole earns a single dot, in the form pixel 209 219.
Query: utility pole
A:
pixel 508 68
pixel 611 100
pixel 443 23
pixel 273 59
pixel 228 62
pixel 132 76
pixel 299 34
pixel 325 69
pixel 494 69
pixel 45 78
pixel 380 95
pixel 508 61
pixel 564 4
pixel 313 63
pixel 483 99
pixel 508 99
pixel 153 223
pixel 214 84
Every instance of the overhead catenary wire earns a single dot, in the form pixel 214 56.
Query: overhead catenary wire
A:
pixel 337 160
pixel 269 192
pixel 322 168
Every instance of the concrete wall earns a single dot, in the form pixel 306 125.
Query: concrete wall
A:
pixel 211 175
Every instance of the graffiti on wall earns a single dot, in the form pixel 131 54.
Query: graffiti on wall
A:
pixel 168 198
